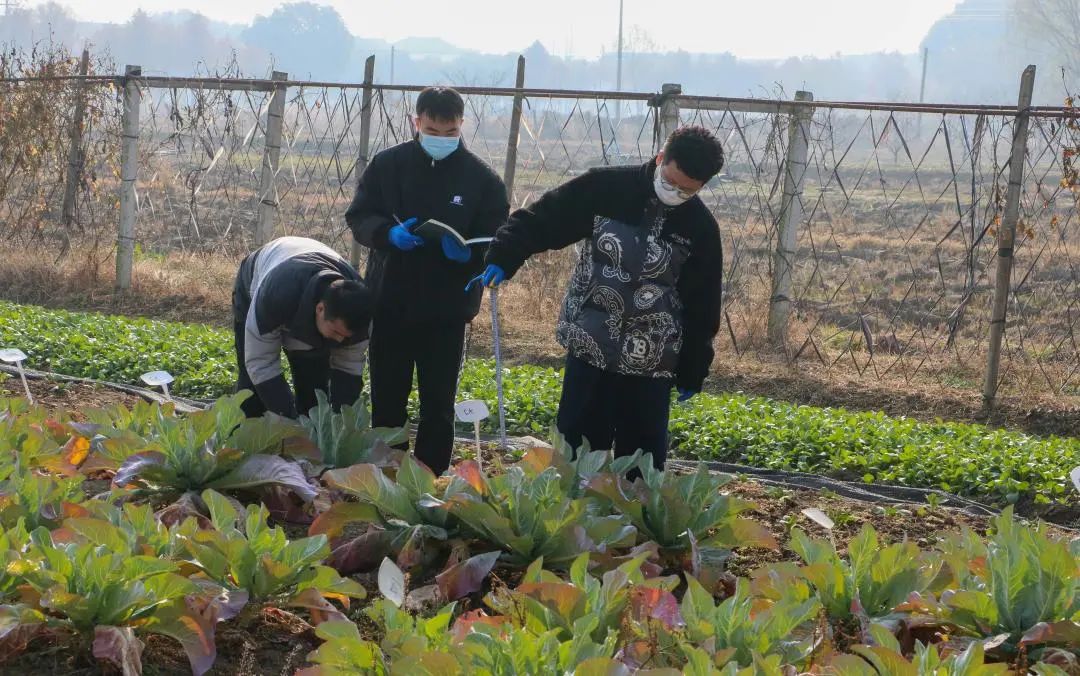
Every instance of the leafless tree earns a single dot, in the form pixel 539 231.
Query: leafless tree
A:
pixel 1053 24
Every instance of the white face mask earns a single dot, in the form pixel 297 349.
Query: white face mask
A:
pixel 667 193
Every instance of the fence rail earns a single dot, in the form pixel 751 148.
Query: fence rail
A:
pixel 886 239
pixel 741 104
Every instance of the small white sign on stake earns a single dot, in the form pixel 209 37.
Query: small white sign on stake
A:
pixel 158 379
pixel 16 356
pixel 473 411
pixel 1075 476
pixel 819 517
pixel 392 582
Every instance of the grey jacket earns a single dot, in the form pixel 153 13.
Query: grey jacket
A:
pixel 277 289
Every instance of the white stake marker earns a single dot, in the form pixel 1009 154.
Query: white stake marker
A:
pixel 158 379
pixel 17 357
pixel 819 517
pixel 473 411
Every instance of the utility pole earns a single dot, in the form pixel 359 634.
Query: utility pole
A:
pixel 618 76
pixel 922 87
pixel 618 67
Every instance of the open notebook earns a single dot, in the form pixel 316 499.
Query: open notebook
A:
pixel 432 231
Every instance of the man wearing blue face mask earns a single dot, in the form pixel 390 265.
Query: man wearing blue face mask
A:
pixel 420 312
pixel 644 303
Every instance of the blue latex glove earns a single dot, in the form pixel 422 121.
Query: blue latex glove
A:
pixel 401 238
pixel 491 277
pixel 685 394
pixel 454 250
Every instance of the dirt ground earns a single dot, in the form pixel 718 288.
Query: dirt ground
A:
pixel 72 397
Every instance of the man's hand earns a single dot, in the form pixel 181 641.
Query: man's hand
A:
pixel 491 277
pixel 401 238
pixel 455 250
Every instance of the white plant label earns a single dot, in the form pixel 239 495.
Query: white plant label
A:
pixel 157 378
pixel 472 411
pixel 16 356
pixel 12 355
pixel 819 517
pixel 392 582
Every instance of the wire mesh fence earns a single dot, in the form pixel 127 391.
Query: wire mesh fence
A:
pixel 893 266
pixel 201 152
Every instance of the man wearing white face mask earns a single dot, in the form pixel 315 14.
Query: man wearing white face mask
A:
pixel 420 312
pixel 643 306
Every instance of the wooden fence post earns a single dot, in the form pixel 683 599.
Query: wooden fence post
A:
pixel 668 112
pixel 365 141
pixel 268 197
pixel 1006 237
pixel 788 220
pixel 515 131
pixel 129 169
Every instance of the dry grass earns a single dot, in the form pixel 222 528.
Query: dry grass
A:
pixel 190 287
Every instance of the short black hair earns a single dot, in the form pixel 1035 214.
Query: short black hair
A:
pixel 697 152
pixel 350 301
pixel 440 103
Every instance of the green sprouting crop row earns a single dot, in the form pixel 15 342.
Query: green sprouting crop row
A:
pixel 998 465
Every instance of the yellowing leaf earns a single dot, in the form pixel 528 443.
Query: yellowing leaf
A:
pixel 77 450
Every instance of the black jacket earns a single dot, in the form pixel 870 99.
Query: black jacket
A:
pixel 274 299
pixel 645 297
pixel 423 285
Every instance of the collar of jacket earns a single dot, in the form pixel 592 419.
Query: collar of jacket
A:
pixel 422 155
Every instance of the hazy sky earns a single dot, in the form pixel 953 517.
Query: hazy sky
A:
pixel 749 29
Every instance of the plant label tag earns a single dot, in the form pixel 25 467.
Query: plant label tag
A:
pixel 12 355
pixel 472 411
pixel 156 378
pixel 1075 476
pixel 819 517
pixel 392 582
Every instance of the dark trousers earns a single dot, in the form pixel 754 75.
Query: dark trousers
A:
pixel 310 372
pixel 626 413
pixel 435 352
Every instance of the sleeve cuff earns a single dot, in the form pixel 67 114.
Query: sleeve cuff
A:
pixel 380 237
pixel 508 265
pixel 277 397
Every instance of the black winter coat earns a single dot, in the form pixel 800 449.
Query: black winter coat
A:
pixel 422 285
pixel 645 297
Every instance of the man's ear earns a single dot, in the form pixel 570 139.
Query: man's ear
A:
pixel 660 158
pixel 320 309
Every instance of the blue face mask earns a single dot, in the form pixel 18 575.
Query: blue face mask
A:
pixel 439 147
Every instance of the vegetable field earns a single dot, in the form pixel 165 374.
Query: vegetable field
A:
pixel 134 539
